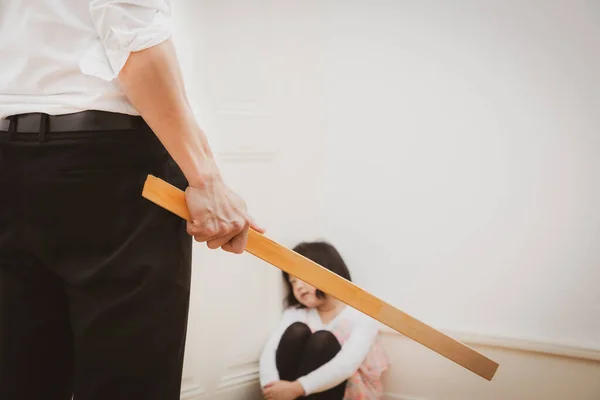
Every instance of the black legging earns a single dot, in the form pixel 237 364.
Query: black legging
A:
pixel 300 351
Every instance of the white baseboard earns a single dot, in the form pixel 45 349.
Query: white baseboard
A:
pixel 239 382
pixel 192 393
pixel 529 369
pixel 240 375
pixel 190 389
pixel 390 396
pixel 249 390
pixel 520 344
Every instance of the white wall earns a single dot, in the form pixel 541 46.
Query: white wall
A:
pixel 449 149
pixel 462 183
pixel 462 177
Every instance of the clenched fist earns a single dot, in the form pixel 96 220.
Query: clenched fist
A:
pixel 218 216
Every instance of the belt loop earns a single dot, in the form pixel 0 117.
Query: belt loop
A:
pixel 12 127
pixel 43 128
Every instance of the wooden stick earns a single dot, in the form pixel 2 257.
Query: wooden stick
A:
pixel 173 199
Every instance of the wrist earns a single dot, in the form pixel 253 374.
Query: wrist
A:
pixel 204 174
pixel 203 179
pixel 298 389
pixel 192 153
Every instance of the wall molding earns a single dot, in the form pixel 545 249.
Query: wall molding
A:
pixel 512 343
pixel 190 389
pixel 240 375
pixel 390 396
pixel 239 380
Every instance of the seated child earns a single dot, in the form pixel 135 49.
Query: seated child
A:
pixel 322 348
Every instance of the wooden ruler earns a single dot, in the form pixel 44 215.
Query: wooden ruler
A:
pixel 173 199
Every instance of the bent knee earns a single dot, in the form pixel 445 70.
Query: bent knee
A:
pixel 323 342
pixel 298 332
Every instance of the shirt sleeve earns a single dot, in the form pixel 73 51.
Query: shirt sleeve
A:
pixel 347 360
pixel 267 366
pixel 123 27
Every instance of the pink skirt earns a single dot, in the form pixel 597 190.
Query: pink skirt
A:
pixel 365 383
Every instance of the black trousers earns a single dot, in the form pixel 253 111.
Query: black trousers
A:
pixel 94 279
pixel 300 352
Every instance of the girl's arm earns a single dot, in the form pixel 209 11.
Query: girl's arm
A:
pixel 346 362
pixel 267 367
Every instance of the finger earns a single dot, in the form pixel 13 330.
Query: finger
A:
pixel 255 226
pixel 237 245
pixel 219 241
pixel 234 229
pixel 208 232
pixel 201 232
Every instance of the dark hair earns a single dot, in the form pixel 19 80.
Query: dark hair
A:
pixel 323 254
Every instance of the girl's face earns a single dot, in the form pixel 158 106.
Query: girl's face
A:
pixel 305 293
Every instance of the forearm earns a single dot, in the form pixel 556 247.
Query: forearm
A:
pixel 327 376
pixel 268 372
pixel 152 81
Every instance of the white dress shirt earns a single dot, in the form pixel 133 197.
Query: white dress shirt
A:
pixel 62 56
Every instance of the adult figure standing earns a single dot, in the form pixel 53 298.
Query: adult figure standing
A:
pixel 94 279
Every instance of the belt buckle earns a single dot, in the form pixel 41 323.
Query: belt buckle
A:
pixel 44 124
pixel 12 127
pixel 40 122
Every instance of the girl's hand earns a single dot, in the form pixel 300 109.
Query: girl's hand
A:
pixel 283 390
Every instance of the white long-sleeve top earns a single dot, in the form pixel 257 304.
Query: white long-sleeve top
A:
pixel 354 350
pixel 62 56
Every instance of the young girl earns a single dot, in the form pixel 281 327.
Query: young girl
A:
pixel 322 348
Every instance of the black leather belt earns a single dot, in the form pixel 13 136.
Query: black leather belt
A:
pixel 85 121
